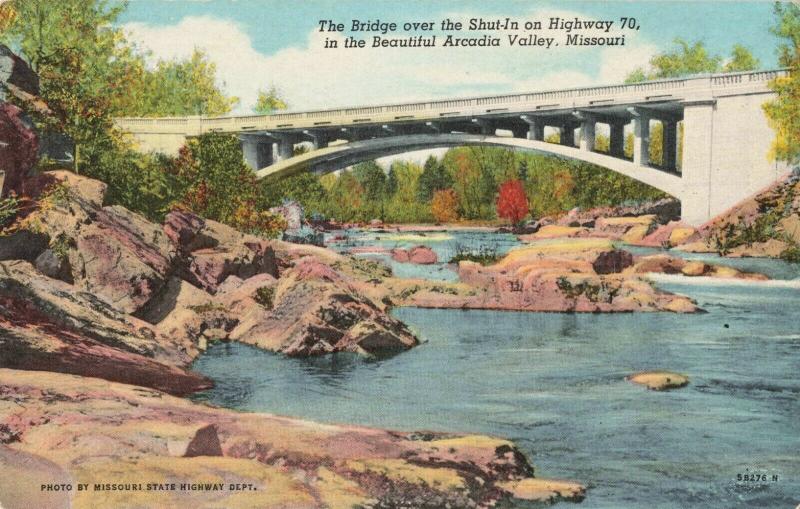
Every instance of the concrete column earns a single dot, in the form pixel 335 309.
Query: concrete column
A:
pixel 487 126
pixel 617 139
pixel 535 127
pixel 567 136
pixel 696 167
pixel 520 131
pixel 669 144
pixel 588 133
pixel 257 151
pixel 641 139
pixel 285 149
pixel 318 139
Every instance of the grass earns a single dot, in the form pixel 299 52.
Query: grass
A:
pixel 485 255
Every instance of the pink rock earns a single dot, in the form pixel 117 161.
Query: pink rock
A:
pixel 421 255
pixel 19 150
pixel 210 252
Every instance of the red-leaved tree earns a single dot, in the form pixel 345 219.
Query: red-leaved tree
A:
pixel 512 202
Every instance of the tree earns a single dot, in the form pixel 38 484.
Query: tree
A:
pixel 686 59
pixel 444 206
pixel 741 60
pixel 269 101
pixel 434 178
pixel 175 88
pixel 784 111
pixel 512 203
pixel 82 64
pixel 372 178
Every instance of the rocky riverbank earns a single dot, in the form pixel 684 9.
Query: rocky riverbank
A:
pixel 63 430
pixel 92 295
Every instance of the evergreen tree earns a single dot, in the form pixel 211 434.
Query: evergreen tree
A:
pixel 434 178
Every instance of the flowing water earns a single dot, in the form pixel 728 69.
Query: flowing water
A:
pixel 554 383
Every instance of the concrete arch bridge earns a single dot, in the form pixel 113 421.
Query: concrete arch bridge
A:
pixel 725 145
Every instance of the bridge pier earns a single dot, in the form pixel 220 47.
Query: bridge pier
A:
pixel 698 117
pixel 669 144
pixel 641 137
pixel 616 146
pixel 588 127
pixel 257 150
pixel 567 133
pixel 535 127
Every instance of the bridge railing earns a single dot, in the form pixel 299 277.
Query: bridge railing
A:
pixel 449 107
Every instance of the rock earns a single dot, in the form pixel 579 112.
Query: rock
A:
pixel 15 71
pixel 22 245
pixel 316 311
pixel 46 324
pixel 544 490
pixel 611 262
pixel 89 430
pixel 292 212
pixel 22 472
pixel 557 276
pixel 186 312
pixel 671 234
pixel 659 380
pixel 108 251
pixel 53 265
pixel 210 252
pixel 618 227
pixel 400 255
pixel 681 235
pixel 421 255
pixel 694 268
pixel 204 443
pixel 19 149
pixel 664 264
pixel 553 231
pixel 635 234
pixel 376 223
pixel 304 236
pixel 122 257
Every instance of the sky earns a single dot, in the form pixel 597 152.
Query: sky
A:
pixel 256 44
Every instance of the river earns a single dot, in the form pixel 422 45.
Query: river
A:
pixel 554 383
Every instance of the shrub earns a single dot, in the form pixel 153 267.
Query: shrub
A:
pixel 8 210
pixel 444 206
pixel 512 202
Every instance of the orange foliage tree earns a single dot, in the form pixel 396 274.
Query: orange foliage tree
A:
pixel 444 206
pixel 512 203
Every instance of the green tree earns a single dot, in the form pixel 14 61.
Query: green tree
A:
pixel 372 178
pixel 269 101
pixel 82 62
pixel 692 58
pixel 741 60
pixel 305 188
pixel 434 178
pixel 784 111
pixel 175 88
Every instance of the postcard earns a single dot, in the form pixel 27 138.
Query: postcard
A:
pixel 424 254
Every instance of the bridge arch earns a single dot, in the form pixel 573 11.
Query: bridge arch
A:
pixel 336 157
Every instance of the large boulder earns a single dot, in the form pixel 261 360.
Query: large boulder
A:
pixel 421 255
pixel 49 325
pixel 612 262
pixel 19 148
pixel 210 252
pixel 109 251
pixel 315 310
pixel 16 72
